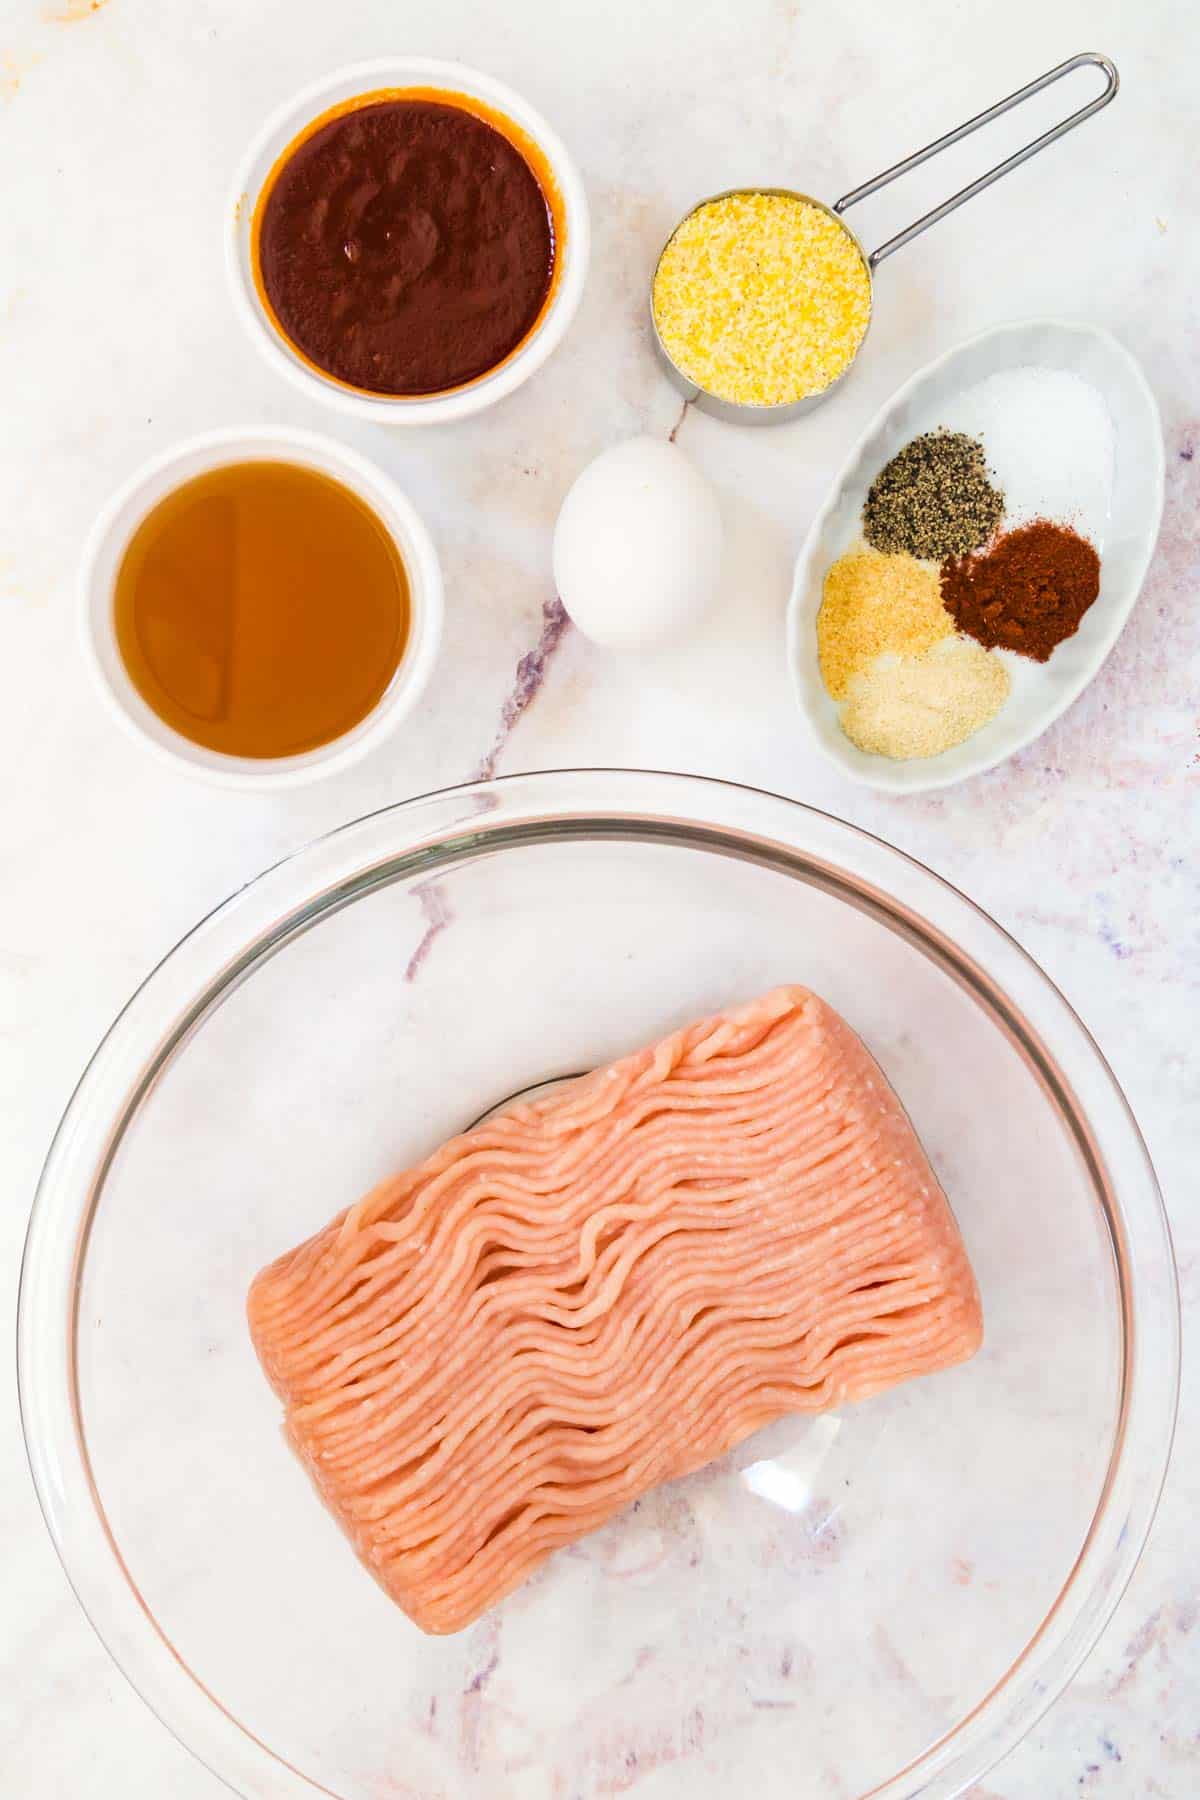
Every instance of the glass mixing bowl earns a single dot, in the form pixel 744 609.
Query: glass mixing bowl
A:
pixel 875 1602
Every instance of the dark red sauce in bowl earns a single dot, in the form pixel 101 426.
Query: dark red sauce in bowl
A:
pixel 405 245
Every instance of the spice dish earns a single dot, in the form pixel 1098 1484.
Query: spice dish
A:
pixel 458 386
pixel 1118 508
pixel 936 565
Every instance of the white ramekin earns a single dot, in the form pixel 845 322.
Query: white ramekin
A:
pixel 285 125
pixel 110 537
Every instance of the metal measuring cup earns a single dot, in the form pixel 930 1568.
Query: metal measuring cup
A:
pixel 751 413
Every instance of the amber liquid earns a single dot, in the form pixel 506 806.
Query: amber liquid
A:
pixel 261 609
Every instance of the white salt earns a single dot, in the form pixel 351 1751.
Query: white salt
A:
pixel 1048 438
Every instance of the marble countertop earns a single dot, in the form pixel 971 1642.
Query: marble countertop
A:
pixel 121 121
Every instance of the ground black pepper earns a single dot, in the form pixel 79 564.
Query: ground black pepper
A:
pixel 934 499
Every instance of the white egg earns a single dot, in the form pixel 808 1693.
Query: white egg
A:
pixel 637 547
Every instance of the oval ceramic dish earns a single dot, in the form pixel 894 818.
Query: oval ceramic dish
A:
pixel 1040 691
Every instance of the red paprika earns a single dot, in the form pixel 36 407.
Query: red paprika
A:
pixel 1027 592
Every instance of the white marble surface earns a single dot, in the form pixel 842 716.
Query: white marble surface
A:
pixel 120 122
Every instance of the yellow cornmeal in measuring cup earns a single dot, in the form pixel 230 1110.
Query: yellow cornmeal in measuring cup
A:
pixel 761 299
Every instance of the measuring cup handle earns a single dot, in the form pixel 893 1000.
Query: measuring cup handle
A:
pixel 1111 83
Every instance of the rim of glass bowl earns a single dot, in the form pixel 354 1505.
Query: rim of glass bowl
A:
pixel 435 831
